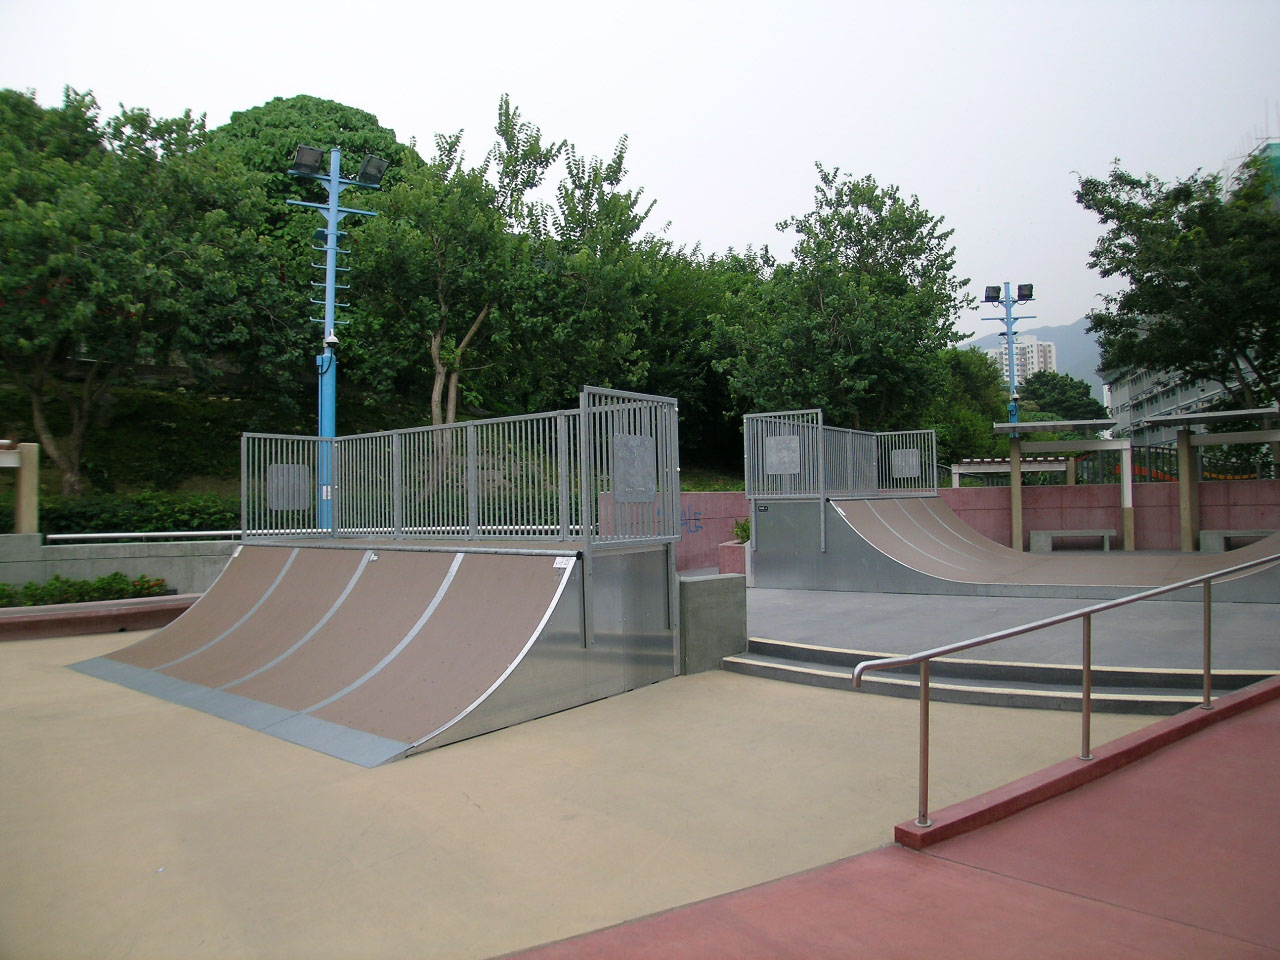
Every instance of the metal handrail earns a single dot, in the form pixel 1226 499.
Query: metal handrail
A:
pixel 151 535
pixel 1085 615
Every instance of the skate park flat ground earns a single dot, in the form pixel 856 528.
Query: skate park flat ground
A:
pixel 1151 633
pixel 134 827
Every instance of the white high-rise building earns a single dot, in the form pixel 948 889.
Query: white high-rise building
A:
pixel 1031 353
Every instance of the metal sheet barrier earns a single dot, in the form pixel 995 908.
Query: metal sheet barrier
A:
pixel 607 472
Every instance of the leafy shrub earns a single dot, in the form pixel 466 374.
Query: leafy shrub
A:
pixel 742 530
pixel 139 513
pixel 114 586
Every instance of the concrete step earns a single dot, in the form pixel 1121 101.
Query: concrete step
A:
pixel 1155 692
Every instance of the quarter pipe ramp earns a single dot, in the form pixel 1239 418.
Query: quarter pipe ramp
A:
pixel 370 654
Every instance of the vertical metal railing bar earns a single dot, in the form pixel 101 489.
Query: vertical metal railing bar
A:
pixel 922 814
pixel 474 460
pixel 1207 604
pixel 1086 687
pixel 244 487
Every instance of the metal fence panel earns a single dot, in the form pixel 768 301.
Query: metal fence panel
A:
pixel 608 470
pixel 630 475
pixel 908 462
pixel 279 486
pixel 794 455
pixel 783 453
pixel 366 486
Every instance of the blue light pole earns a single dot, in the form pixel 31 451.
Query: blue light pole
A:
pixel 1025 295
pixel 307 163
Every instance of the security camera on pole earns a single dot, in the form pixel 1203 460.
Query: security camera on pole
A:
pixel 307 163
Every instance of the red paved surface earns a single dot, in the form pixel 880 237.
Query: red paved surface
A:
pixel 1175 855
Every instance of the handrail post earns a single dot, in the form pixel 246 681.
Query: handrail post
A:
pixel 1086 698
pixel 1208 643
pixel 923 819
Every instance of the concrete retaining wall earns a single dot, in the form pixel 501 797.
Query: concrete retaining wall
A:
pixel 185 567
pixel 713 620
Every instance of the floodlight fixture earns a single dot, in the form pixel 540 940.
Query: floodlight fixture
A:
pixel 308 161
pixel 372 170
pixel 1026 291
pixel 992 295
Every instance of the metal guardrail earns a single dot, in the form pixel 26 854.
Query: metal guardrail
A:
pixel 794 455
pixel 607 472
pixel 1085 615
pixel 151 535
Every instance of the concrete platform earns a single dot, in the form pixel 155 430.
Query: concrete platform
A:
pixel 1154 633
pixel 1174 855
pixel 133 827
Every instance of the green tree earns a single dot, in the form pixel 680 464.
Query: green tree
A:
pixel 585 303
pixel 1203 272
pixel 433 269
pixel 1062 395
pixel 122 255
pixel 971 398
pixel 856 322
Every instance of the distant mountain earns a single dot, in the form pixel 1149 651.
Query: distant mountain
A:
pixel 1077 350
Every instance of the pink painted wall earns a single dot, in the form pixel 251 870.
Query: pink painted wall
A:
pixel 986 509
pixel 733 557
pixel 706 521
pixel 1224 505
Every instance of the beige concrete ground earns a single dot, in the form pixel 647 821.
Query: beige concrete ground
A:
pixel 130 827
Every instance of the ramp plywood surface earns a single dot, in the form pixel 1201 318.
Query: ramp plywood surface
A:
pixel 381 611
pixel 298 603
pixel 244 582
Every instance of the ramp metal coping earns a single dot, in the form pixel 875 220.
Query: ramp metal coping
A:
pixel 239 623
pixel 1085 615
pixel 462 546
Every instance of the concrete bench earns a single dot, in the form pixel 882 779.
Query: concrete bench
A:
pixel 1219 541
pixel 1042 540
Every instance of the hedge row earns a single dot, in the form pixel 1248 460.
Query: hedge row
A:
pixel 114 586
pixel 136 513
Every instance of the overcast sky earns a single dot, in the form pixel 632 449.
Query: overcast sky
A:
pixel 985 110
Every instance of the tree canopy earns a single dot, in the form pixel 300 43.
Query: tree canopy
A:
pixel 1062 395
pixel 146 250
pixel 120 246
pixel 1202 261
pixel 856 322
